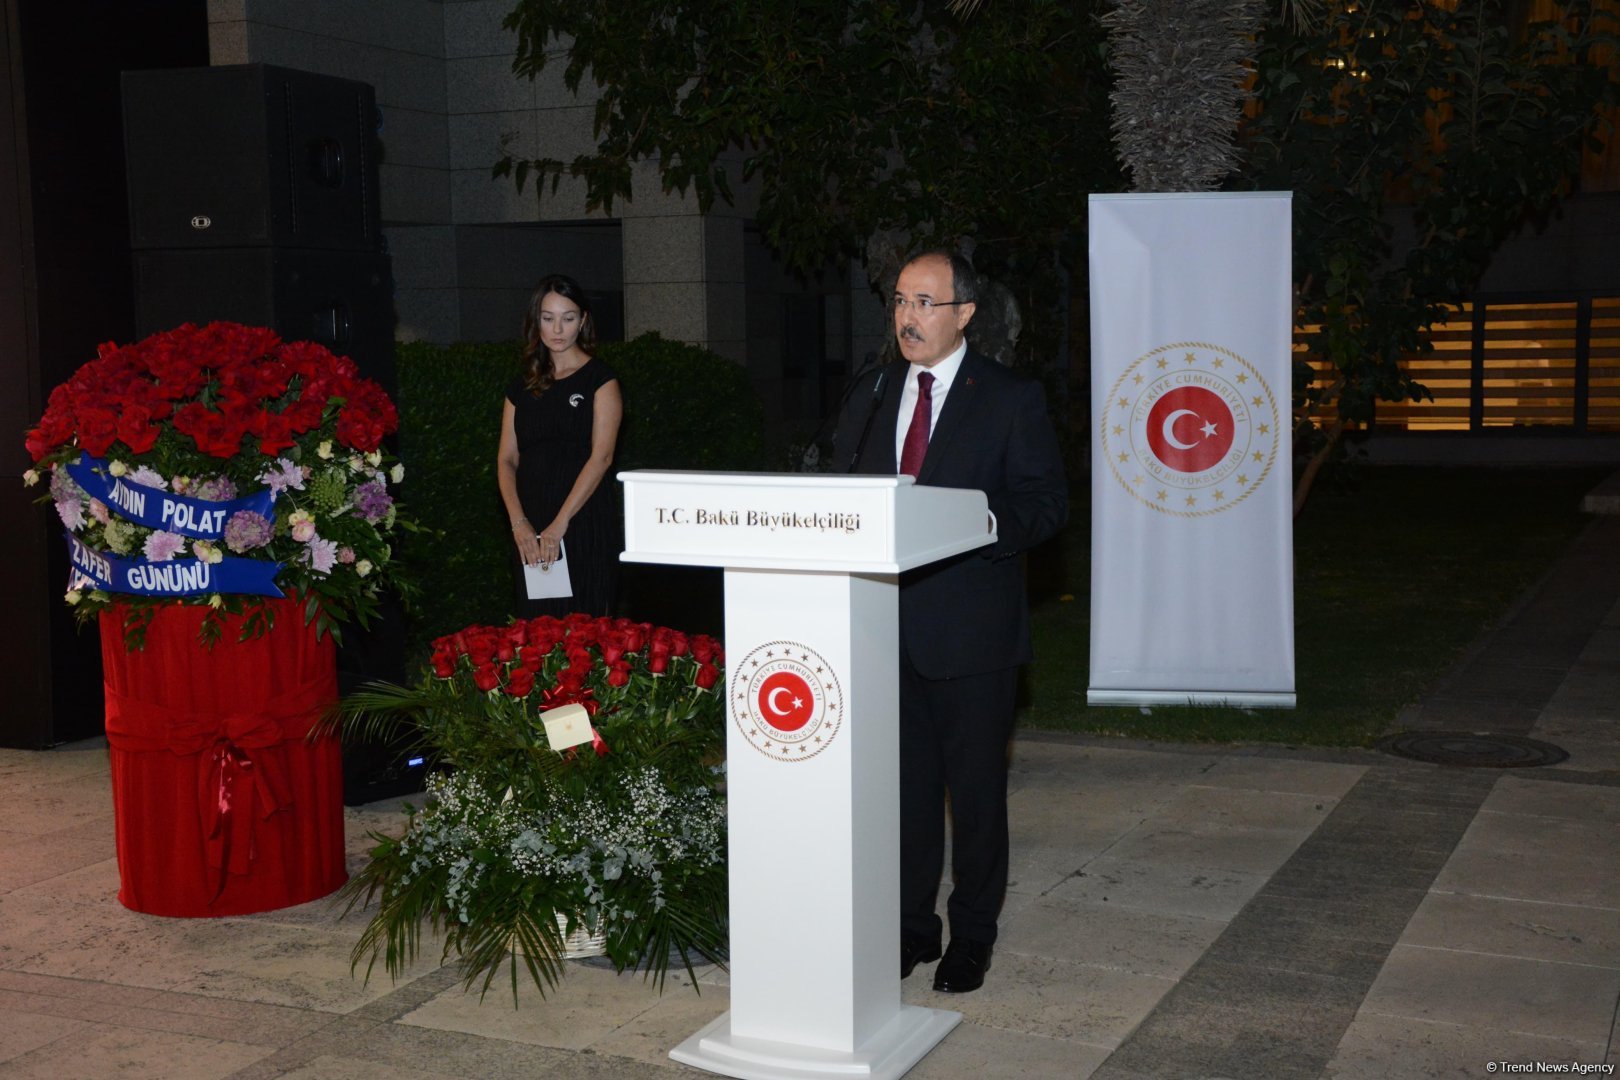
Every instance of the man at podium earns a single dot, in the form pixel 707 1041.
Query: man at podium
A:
pixel 951 417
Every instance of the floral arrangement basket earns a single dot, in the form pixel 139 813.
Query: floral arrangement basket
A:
pixel 519 846
pixel 219 465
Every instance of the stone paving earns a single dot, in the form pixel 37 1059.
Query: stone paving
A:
pixel 1175 911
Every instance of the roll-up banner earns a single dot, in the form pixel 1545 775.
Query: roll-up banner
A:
pixel 1192 559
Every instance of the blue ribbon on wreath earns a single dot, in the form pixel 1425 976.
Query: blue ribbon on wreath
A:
pixel 174 577
pixel 155 508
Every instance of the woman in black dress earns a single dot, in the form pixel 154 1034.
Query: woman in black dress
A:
pixel 558 430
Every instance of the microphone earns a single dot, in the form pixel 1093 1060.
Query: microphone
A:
pixel 871 413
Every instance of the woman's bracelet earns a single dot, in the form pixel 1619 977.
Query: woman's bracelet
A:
pixel 519 521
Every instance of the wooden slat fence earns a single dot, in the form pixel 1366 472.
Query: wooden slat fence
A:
pixel 1506 363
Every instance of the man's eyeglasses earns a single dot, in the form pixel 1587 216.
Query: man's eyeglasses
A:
pixel 923 304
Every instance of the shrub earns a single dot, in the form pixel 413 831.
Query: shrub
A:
pixel 685 408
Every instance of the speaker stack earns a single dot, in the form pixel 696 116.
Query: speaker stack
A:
pixel 253 199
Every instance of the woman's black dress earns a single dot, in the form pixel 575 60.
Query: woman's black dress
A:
pixel 554 442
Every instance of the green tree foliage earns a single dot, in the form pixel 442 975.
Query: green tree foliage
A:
pixel 1447 119
pixel 854 117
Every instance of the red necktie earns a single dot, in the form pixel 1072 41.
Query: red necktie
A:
pixel 915 447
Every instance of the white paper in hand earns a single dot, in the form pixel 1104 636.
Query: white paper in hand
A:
pixel 567 725
pixel 549 582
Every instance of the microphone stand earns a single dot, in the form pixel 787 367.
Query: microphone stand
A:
pixel 871 414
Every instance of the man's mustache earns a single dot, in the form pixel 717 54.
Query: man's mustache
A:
pixel 910 334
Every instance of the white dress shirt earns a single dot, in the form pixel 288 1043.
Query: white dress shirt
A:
pixel 944 374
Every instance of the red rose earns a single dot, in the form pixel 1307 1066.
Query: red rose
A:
pixel 678 644
pixel 54 430
pixel 618 676
pixel 486 678
pixel 97 429
pixel 366 417
pixel 214 433
pixel 703 648
pixel 136 429
pixel 443 666
pixel 520 682
pixel 304 415
pixel 658 663
pixel 480 648
pixel 274 431
pixel 707 675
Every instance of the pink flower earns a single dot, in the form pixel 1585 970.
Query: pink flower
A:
pixel 163 546
pixel 346 555
pixel 98 510
pixel 321 555
pixel 282 475
pixel 149 477
pixel 302 526
pixel 71 511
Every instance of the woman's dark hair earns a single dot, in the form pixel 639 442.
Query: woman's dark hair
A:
pixel 538 371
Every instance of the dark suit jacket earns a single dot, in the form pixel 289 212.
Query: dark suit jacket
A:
pixel 967 614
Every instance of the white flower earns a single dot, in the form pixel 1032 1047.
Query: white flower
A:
pixel 397 473
pixel 150 477
pixel 206 552
pixel 30 478
pixel 357 463
pixel 324 451
pixel 363 567
pixel 117 468
pixel 74 596
pixel 216 601
pixel 374 458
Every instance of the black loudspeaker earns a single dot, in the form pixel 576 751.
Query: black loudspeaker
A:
pixel 250 155
pixel 377 768
pixel 342 299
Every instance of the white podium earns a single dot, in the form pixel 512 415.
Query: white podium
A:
pixel 812 568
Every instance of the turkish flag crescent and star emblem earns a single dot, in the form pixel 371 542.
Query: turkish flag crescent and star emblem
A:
pixel 1190 429
pixel 786 700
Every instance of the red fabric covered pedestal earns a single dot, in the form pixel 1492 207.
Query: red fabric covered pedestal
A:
pixel 221 804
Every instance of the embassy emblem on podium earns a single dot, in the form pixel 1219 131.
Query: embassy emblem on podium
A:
pixel 787 701
pixel 1191 429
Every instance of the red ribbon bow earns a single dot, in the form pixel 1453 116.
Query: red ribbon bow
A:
pixel 233 791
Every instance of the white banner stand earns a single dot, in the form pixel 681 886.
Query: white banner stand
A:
pixel 1192 493
pixel 812 568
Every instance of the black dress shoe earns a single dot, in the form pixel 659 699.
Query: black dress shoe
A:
pixel 916 950
pixel 963 968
